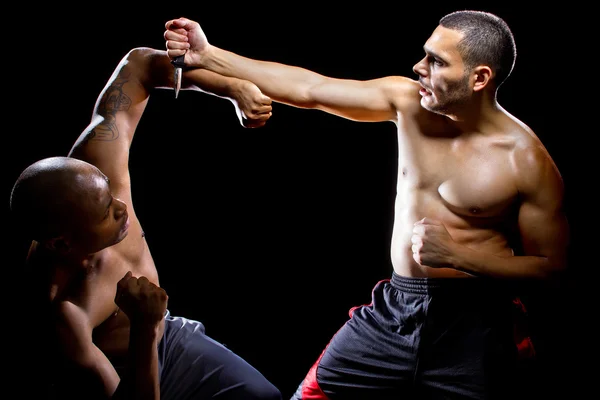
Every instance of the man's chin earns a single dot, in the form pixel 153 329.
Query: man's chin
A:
pixel 434 109
pixel 426 103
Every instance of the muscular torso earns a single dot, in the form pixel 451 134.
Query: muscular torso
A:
pixel 93 289
pixel 465 180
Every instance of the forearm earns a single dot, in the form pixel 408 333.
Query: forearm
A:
pixel 210 82
pixel 283 83
pixel 143 379
pixel 505 267
pixel 157 72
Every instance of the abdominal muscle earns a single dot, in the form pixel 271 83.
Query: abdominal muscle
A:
pixel 410 209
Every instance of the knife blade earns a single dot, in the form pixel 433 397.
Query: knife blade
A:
pixel 178 64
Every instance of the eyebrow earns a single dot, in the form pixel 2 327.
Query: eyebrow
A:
pixel 111 197
pixel 432 53
pixel 108 206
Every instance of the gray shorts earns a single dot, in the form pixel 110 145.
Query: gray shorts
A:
pixel 194 366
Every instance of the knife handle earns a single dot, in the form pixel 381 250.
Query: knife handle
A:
pixel 178 61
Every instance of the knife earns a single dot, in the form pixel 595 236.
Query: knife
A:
pixel 178 64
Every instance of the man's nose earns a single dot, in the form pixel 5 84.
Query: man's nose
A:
pixel 419 68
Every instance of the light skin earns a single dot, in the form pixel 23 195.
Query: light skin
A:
pixel 477 192
pixel 104 287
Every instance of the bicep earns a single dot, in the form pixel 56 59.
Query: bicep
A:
pixel 74 382
pixel 543 223
pixel 368 101
pixel 80 354
pixel 544 230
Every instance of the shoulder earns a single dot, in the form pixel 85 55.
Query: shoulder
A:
pixel 400 86
pixel 534 168
pixel 403 92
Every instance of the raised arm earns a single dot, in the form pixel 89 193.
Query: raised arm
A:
pixel 371 100
pixel 105 142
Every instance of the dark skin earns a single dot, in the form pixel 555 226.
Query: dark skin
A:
pixel 103 285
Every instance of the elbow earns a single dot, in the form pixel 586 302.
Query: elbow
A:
pixel 299 97
pixel 138 57
pixel 307 95
pixel 558 264
pixel 148 66
pixel 554 269
pixel 140 53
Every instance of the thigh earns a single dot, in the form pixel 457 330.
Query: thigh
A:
pixel 468 355
pixel 374 355
pixel 194 366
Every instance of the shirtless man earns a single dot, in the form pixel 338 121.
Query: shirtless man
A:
pixel 479 204
pixel 115 337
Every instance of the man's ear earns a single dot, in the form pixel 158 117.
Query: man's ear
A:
pixel 483 75
pixel 59 244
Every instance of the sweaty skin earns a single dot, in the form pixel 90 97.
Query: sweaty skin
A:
pixel 477 192
pixel 92 332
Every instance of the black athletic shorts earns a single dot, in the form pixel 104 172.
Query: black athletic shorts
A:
pixel 421 338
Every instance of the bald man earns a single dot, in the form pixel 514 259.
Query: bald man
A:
pixel 113 335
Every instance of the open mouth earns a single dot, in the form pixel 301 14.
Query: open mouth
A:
pixel 125 225
pixel 424 91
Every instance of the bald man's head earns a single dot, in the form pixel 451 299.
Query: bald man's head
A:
pixel 49 196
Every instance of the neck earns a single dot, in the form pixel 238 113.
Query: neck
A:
pixel 477 115
pixel 71 259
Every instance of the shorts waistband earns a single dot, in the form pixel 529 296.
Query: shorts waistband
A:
pixel 441 285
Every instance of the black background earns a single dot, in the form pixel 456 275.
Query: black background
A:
pixel 269 236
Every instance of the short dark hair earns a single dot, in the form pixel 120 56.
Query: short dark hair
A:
pixel 487 40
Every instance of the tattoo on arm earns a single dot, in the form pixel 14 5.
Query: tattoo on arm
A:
pixel 113 100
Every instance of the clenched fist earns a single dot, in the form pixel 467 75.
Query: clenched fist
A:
pixel 141 300
pixel 252 106
pixel 185 37
pixel 432 245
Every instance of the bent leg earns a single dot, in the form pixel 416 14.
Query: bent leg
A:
pixel 470 352
pixel 374 355
pixel 194 366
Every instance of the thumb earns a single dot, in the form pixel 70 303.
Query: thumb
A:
pixel 174 23
pixel 121 285
pixel 182 22
pixel 122 282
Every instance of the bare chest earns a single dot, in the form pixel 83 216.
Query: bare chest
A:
pixel 94 288
pixel 98 290
pixel 470 176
